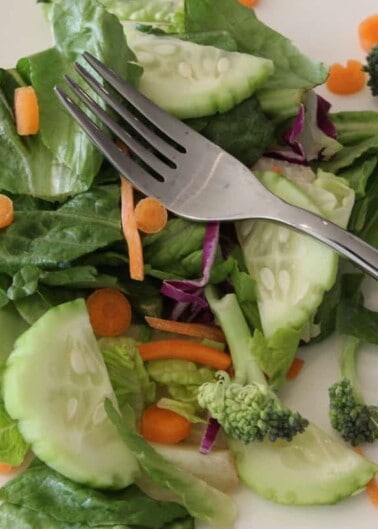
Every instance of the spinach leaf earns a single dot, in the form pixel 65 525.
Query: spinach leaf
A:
pixel 292 68
pixel 244 131
pixel 41 494
pixel 48 238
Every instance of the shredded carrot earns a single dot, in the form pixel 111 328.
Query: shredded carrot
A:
pixel 151 215
pixel 6 211
pixel 109 312
pixel 368 32
pixel 248 3
pixel 276 169
pixel 295 368
pixel 185 350
pixel 164 426
pixel 130 230
pixel 197 330
pixel 5 468
pixel 26 110
pixel 346 80
pixel 372 490
pixel 358 450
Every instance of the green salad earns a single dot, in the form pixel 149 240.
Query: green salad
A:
pixel 155 425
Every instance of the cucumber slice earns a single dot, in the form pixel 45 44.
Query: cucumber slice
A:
pixel 189 80
pixel 292 270
pixel 55 384
pixel 312 469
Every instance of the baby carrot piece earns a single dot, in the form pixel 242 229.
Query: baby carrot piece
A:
pixel 346 80
pixel 151 215
pixel 26 110
pixel 164 426
pixel 5 468
pixel 197 330
pixel 295 368
pixel 109 312
pixel 185 350
pixel 6 211
pixel 368 32
pixel 130 230
pixel 248 3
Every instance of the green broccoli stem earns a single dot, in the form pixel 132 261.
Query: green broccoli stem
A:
pixel 348 365
pixel 238 336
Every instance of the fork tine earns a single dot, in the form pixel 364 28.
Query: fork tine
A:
pixel 121 161
pixel 147 133
pixel 137 148
pixel 170 126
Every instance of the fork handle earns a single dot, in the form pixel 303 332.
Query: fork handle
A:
pixel 344 242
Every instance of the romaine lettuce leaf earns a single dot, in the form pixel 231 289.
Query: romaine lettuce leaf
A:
pixel 60 160
pixel 200 499
pixel 129 377
pixel 42 495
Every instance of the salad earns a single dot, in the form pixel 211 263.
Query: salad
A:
pixel 146 381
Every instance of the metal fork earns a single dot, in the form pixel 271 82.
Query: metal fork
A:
pixel 192 176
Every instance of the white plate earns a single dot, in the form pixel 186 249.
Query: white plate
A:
pixel 326 30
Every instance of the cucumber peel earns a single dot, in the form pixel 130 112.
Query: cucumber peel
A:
pixel 54 385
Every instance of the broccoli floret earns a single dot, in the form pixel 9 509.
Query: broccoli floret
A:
pixel 372 70
pixel 249 413
pixel 356 421
pixel 245 406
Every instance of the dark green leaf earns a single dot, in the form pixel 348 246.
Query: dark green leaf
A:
pixel 244 131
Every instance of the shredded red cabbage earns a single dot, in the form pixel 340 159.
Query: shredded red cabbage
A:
pixel 324 122
pixel 209 436
pixel 189 292
pixel 311 134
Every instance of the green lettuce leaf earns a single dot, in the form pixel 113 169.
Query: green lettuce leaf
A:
pixel 13 448
pixel 275 354
pixel 129 378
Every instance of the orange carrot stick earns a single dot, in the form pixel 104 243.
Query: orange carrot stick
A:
pixel 151 215
pixel 109 312
pixel 26 110
pixel 197 330
pixel 368 32
pixel 164 426
pixel 185 350
pixel 372 486
pixel 6 211
pixel 372 490
pixel 346 80
pixel 295 368
pixel 129 227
